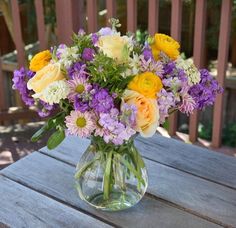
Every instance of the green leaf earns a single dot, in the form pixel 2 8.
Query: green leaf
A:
pixel 55 139
pixel 38 134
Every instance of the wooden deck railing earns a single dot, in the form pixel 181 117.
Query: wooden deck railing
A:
pixel 69 19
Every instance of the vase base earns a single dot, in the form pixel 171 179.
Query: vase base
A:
pixel 117 201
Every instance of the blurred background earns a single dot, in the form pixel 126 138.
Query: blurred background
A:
pixel 27 26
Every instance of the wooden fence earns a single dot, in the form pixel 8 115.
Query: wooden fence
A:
pixel 69 19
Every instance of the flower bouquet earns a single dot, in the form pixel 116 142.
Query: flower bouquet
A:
pixel 109 87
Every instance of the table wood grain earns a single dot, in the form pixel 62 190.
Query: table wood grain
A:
pixel 188 187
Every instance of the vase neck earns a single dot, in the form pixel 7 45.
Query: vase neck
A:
pixel 101 145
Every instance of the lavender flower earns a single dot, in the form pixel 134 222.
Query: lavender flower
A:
pixel 81 105
pixel 188 104
pixel 205 92
pixel 77 70
pixel 94 39
pixel 114 131
pixel 81 32
pixel 88 54
pixel 166 100
pixel 44 109
pixel 61 48
pixel 102 101
pixel 105 31
pixel 147 53
pixel 151 65
pixel 128 114
pixel 20 79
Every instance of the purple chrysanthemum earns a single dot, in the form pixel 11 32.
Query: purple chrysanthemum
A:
pixel 78 87
pixel 205 92
pixel 187 105
pixel 80 124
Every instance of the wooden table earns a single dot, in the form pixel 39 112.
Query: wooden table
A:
pixel 188 187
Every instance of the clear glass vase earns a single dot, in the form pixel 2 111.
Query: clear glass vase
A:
pixel 111 177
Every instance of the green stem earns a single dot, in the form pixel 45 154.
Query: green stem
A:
pixel 84 168
pixel 107 177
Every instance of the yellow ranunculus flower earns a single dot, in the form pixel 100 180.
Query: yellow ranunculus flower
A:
pixel 147 118
pixel 148 84
pixel 40 60
pixel 44 77
pixel 115 46
pixel 165 44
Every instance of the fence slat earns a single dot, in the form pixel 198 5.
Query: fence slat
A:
pixel 111 9
pixel 64 20
pixel 176 21
pixel 223 47
pixel 40 24
pixel 198 57
pixel 92 12
pixel 78 15
pixel 131 15
pixel 153 16
pixel 18 40
pixel 2 88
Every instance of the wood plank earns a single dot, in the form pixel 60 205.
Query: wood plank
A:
pixel 55 178
pixel 216 166
pixel 132 15
pixel 153 16
pixel 40 24
pixel 189 158
pixel 198 56
pixel 223 54
pixel 23 207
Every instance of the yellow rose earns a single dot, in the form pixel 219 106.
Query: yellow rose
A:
pixel 115 46
pixel 44 77
pixel 165 44
pixel 147 118
pixel 148 84
pixel 40 60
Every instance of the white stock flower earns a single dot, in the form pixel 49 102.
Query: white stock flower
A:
pixel 68 56
pixel 56 91
pixel 190 69
pixel 134 66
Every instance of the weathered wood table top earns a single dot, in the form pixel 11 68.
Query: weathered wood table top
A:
pixel 188 187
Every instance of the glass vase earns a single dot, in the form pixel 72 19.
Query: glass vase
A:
pixel 110 177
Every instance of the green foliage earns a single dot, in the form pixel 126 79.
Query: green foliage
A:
pixel 55 139
pixel 228 136
pixel 108 74
pixel 54 123
pixel 82 42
